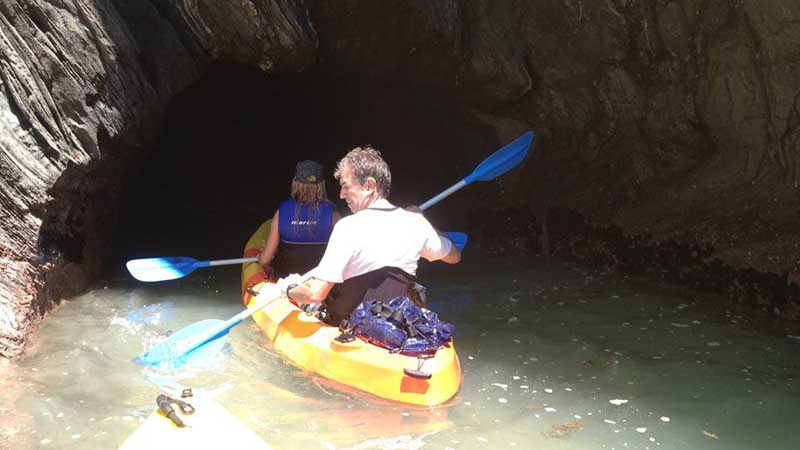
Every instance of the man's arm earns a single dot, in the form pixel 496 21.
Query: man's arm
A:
pixel 453 256
pixel 312 291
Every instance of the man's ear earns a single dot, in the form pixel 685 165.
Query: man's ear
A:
pixel 370 183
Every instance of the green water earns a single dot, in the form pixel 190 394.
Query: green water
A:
pixel 555 356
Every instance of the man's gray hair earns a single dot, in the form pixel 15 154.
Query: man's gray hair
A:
pixel 366 162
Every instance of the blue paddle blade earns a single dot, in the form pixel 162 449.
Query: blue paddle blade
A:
pixel 502 160
pixel 183 345
pixel 458 239
pixel 161 269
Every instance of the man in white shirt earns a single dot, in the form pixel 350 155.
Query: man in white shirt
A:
pixel 373 253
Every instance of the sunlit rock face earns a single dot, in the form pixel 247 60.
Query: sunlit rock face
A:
pixel 675 121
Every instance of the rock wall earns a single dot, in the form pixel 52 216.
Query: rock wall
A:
pixel 674 120
pixel 84 85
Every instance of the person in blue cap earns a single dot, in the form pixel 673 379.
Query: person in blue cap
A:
pixel 301 225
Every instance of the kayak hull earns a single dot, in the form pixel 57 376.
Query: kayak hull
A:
pixel 311 344
pixel 210 426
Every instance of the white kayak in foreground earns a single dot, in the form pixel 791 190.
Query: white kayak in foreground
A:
pixel 210 425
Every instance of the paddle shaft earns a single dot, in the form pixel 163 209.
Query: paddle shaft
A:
pixel 443 195
pixel 222 262
pixel 235 320
pixel 492 167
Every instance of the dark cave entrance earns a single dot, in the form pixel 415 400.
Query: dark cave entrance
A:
pixel 229 144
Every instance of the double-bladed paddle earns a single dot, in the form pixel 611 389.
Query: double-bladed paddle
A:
pixel 191 338
pixel 173 267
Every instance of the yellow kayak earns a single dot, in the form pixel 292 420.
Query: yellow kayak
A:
pixel 310 344
pixel 209 426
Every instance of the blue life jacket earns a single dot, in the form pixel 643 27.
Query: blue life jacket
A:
pixel 304 229
pixel 400 326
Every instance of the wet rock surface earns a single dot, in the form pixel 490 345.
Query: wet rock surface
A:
pixel 564 233
pixel 672 127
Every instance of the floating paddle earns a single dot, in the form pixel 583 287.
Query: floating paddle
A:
pixel 180 345
pixel 492 167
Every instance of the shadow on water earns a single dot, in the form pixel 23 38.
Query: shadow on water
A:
pixel 554 356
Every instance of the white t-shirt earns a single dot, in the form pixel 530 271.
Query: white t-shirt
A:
pixel 374 238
